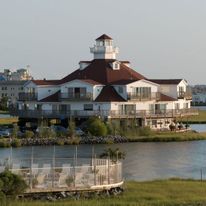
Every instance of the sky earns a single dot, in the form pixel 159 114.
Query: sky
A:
pixel 161 38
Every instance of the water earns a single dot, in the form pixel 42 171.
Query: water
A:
pixel 144 161
pixel 200 107
pixel 198 127
pixel 5 115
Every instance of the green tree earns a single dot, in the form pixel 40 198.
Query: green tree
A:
pixel 4 103
pixel 11 184
pixel 96 127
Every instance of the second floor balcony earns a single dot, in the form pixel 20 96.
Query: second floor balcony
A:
pixel 76 96
pixel 25 113
pixel 185 94
pixel 143 96
pixel 24 96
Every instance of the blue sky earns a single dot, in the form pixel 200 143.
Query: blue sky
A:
pixel 161 38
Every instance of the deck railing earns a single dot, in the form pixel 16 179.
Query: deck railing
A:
pixel 185 94
pixel 143 96
pixel 76 96
pixel 23 96
pixel 103 113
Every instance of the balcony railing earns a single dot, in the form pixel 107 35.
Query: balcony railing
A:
pixel 23 96
pixel 101 49
pixel 143 96
pixel 185 94
pixel 76 96
pixel 103 113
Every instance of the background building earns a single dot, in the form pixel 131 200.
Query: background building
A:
pixel 11 89
pixel 18 75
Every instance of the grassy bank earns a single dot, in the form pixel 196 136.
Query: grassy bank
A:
pixel 170 137
pixel 8 120
pixel 201 118
pixel 4 112
pixel 165 192
pixel 157 137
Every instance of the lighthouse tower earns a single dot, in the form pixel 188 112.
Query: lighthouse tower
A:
pixel 104 49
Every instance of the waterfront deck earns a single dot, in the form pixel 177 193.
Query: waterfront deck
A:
pixel 69 175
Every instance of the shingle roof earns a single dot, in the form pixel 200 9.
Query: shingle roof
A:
pixel 165 98
pixel 109 94
pixel 104 36
pixel 52 98
pixel 90 81
pixel 46 82
pixel 100 70
pixel 165 81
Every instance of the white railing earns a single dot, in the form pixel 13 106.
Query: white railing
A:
pixel 100 173
pixel 103 113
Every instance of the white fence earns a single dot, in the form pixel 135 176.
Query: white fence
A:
pixel 90 174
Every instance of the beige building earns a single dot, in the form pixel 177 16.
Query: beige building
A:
pixel 11 89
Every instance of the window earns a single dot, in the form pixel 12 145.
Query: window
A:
pixel 160 108
pixel 39 107
pixel 77 92
pixel 177 105
pixel 120 89
pixel 64 107
pixel 143 92
pixel 88 107
pixel 154 122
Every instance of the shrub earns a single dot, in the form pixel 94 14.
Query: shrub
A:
pixel 11 184
pixel 172 127
pixel 28 134
pixel 145 131
pixel 71 128
pixel 51 133
pixel 16 143
pixel 4 143
pixel 96 127
pixel 75 140
pixel 60 142
pixel 15 131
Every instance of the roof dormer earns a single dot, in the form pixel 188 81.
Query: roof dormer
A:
pixel 83 64
pixel 115 65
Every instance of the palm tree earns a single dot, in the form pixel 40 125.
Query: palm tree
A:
pixel 113 154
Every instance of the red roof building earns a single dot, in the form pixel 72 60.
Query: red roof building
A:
pixel 108 88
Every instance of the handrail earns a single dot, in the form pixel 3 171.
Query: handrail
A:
pixel 102 113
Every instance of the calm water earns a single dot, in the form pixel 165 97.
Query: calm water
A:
pixel 198 127
pixel 5 115
pixel 144 161
pixel 200 107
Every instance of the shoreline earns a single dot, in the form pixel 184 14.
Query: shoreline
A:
pixel 158 137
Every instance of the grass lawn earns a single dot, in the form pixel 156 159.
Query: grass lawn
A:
pixel 155 193
pixel 196 118
pixel 8 120
pixel 169 137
